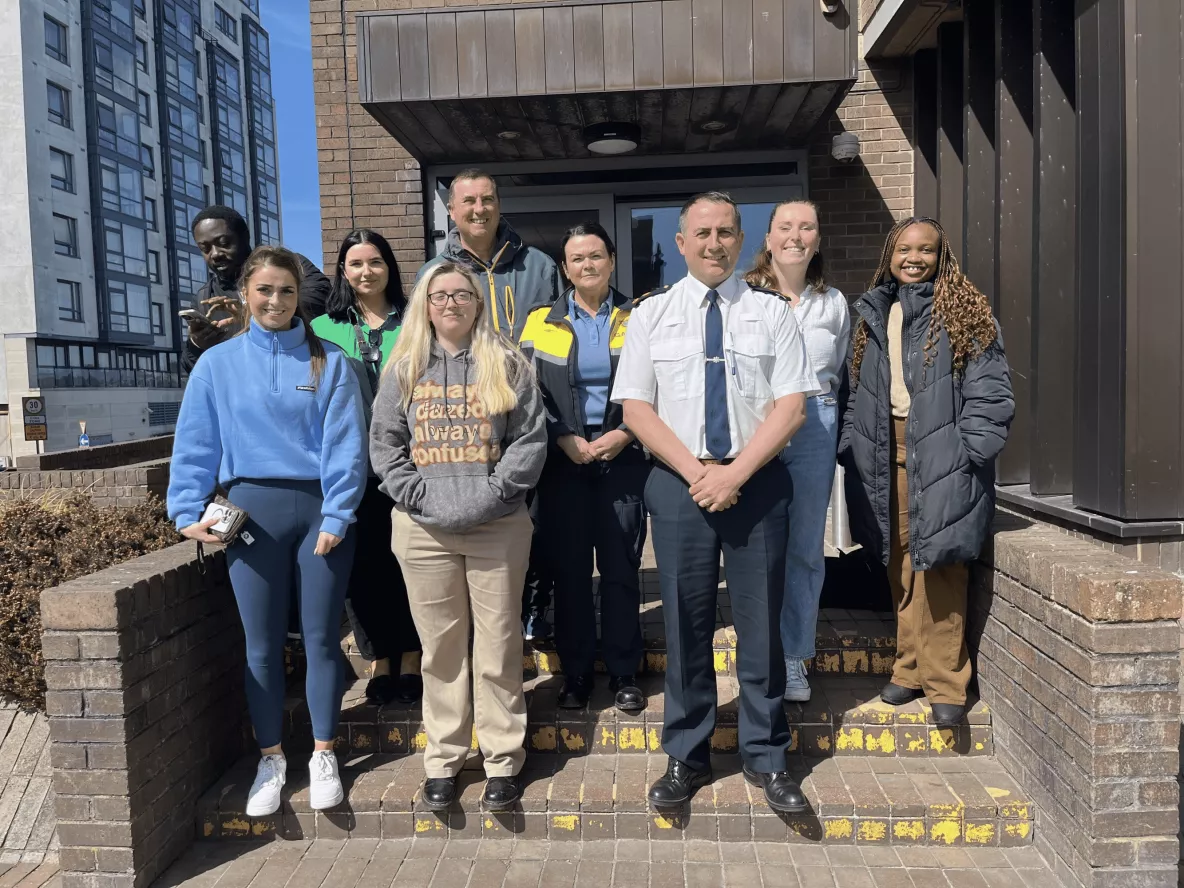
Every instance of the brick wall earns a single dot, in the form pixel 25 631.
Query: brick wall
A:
pixel 105 456
pixel 144 675
pixel 1078 657
pixel 127 486
pixel 367 179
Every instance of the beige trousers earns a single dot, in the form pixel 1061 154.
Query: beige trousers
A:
pixel 451 576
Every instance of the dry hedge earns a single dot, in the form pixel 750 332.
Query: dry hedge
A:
pixel 49 541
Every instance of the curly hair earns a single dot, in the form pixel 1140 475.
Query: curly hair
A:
pixel 959 307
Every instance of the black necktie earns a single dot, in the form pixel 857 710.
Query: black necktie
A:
pixel 719 439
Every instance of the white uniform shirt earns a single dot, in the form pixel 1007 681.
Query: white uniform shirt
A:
pixel 663 359
pixel 825 322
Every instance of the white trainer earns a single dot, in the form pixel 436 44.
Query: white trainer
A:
pixel 324 785
pixel 264 797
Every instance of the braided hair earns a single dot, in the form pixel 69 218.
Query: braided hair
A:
pixel 959 307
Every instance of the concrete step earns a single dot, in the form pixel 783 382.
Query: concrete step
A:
pixel 845 717
pixel 861 801
pixel 848 643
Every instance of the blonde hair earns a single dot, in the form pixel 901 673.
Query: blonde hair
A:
pixel 278 257
pixel 498 362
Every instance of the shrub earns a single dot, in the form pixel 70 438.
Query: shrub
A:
pixel 46 542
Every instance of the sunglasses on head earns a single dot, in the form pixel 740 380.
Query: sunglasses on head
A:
pixel 371 349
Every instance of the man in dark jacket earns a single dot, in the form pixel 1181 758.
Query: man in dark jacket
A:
pixel 224 239
pixel 515 279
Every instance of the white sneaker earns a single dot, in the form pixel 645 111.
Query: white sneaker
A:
pixel 264 797
pixel 324 786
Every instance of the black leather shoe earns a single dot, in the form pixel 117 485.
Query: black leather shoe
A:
pixel 678 785
pixel 896 695
pixel 500 793
pixel 629 697
pixel 409 688
pixel 781 791
pixel 576 691
pixel 380 690
pixel 948 715
pixel 439 792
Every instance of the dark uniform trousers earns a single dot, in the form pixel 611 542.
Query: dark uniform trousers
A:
pixel 599 506
pixel 687 542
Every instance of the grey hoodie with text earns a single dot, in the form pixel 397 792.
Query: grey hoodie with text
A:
pixel 442 460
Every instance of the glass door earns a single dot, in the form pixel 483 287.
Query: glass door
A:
pixel 542 221
pixel 647 255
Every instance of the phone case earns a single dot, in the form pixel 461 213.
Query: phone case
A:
pixel 232 519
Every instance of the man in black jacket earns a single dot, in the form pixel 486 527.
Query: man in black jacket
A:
pixel 224 239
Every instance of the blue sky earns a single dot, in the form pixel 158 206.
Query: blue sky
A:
pixel 291 80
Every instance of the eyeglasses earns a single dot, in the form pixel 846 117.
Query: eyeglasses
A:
pixel 460 297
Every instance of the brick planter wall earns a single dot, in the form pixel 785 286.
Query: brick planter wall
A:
pixel 144 668
pixel 126 486
pixel 1078 656
pixel 105 456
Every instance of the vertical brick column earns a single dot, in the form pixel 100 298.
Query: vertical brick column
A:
pixel 144 694
pixel 1078 656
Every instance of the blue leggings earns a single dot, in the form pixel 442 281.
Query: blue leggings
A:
pixel 285 521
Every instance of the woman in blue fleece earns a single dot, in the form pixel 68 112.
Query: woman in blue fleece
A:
pixel 275 417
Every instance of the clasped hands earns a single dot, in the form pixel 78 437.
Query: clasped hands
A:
pixel 581 451
pixel 715 487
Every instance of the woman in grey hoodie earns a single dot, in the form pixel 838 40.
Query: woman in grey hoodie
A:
pixel 457 440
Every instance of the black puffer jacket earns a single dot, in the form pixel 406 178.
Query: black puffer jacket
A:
pixel 955 429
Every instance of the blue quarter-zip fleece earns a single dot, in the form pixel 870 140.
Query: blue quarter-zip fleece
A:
pixel 251 411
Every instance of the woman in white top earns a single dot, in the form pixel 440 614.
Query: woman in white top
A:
pixel 792 264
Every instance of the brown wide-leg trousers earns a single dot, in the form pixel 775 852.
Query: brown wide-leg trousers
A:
pixel 930 604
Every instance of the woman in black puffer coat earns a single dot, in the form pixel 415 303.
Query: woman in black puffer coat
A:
pixel 926 415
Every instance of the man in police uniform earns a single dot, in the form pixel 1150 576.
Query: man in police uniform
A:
pixel 713 380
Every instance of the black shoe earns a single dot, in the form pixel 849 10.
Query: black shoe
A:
pixel 781 791
pixel 678 785
pixel 576 691
pixel 629 697
pixel 500 793
pixel 439 792
pixel 948 715
pixel 409 688
pixel 896 695
pixel 380 690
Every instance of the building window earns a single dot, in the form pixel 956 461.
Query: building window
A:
pixel 157 319
pixel 119 127
pixel 127 249
pixel 61 170
pixel 115 67
pixel 122 187
pixel 150 212
pixel 141 55
pixel 141 9
pixel 129 308
pixel 57 40
pixel 65 235
pixel 252 5
pixel 69 301
pixel 154 266
pixel 145 109
pixel 226 23
pixel 148 159
pixel 58 99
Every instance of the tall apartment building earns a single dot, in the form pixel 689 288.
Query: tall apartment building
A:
pixel 122 119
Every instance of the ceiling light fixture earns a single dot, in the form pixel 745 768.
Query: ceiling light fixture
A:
pixel 612 137
pixel 509 135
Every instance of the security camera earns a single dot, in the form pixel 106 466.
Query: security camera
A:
pixel 845 147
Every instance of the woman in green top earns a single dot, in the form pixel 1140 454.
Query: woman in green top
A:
pixel 363 316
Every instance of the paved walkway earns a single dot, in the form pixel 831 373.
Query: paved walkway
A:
pixel 427 863
pixel 28 826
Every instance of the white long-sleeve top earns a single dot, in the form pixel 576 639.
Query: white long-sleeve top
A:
pixel 825 322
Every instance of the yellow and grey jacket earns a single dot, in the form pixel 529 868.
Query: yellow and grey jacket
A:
pixel 517 280
pixel 549 341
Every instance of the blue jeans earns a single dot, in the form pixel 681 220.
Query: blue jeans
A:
pixel 285 520
pixel 810 458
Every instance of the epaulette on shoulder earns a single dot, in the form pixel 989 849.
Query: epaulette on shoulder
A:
pixel 771 292
pixel 644 296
